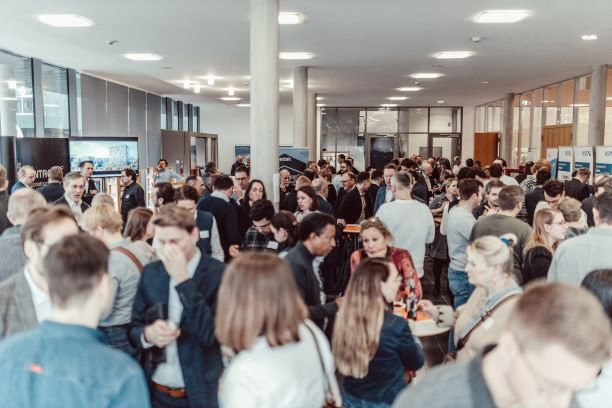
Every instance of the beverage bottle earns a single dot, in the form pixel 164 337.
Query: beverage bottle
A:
pixel 411 300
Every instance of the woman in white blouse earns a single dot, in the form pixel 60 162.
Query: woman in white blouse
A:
pixel 278 358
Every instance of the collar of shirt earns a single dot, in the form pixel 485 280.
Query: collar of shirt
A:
pixel 73 331
pixel 220 195
pixel 71 203
pixel 40 299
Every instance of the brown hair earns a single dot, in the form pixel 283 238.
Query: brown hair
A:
pixel 360 318
pixel 559 313
pixel 172 215
pixel 287 221
pixel 22 202
pixel 570 208
pixel 325 174
pixel 541 164
pixel 137 221
pixel 258 297
pixel 545 216
pixel 33 228
pixel 70 275
pixel 55 173
pixel 102 216
pixel 509 197
pixel 2 176
pixel 375 222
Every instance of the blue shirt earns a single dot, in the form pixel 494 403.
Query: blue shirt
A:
pixel 64 366
pixel 166 176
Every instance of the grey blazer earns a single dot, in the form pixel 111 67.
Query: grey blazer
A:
pixel 13 258
pixel 17 312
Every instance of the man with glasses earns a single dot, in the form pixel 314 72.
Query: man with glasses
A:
pixel 242 182
pixel 554 192
pixel 259 237
pixel 348 181
pixel 555 344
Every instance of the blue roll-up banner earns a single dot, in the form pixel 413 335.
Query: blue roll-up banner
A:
pixel 603 160
pixel 583 159
pixel 565 168
pixel 551 156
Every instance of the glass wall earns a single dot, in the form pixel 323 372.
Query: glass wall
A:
pixel 16 97
pixel 175 117
pixel 186 117
pixel 582 102
pixel 164 123
pixel 55 101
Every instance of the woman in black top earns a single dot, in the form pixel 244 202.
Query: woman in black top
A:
pixel 549 229
pixel 254 192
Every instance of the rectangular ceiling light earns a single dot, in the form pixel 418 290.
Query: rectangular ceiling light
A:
pixel 143 57
pixel 501 16
pixel 397 98
pixel 409 89
pixel 425 75
pixel 453 54
pixel 243 104
pixel 290 17
pixel 230 98
pixel 65 20
pixel 388 105
pixel 296 55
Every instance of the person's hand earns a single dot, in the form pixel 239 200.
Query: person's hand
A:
pixel 234 251
pixel 339 301
pixel 175 262
pixel 93 192
pixel 429 309
pixel 161 333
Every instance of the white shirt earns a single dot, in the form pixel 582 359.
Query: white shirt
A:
pixel 388 195
pixel 40 299
pixel 412 227
pixel 170 373
pixel 74 207
pixel 509 181
pixel 287 376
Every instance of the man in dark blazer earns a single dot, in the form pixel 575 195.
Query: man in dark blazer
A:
pixel 532 199
pixel 4 199
pixel 290 201
pixel 356 205
pixel 577 187
pixel 53 190
pixel 218 203
pixel 348 181
pixel 74 186
pixel 133 195
pixel 376 177
pixel 173 318
pixel 319 185
pixel 317 233
pixel 91 190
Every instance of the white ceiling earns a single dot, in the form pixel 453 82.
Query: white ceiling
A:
pixel 364 48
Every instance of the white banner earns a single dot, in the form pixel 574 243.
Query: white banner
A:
pixel 603 160
pixel 565 167
pixel 551 156
pixel 583 159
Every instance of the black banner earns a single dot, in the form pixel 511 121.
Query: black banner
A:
pixel 42 154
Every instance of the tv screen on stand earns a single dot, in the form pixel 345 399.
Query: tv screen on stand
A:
pixel 108 155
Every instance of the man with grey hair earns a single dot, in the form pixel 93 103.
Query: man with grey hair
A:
pixel 53 190
pixel 409 221
pixel 26 176
pixel 4 199
pixel 319 185
pixel 74 186
pixel 20 205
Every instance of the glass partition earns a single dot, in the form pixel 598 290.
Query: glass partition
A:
pixel 536 131
pixel 163 120
pixel 175 117
pixel 583 100
pixel 444 120
pixel 381 121
pixel 55 101
pixel 550 103
pixel 16 97
pixel 525 126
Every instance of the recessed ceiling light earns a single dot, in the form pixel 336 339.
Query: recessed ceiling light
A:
pixel 196 88
pixel 440 101
pixel 143 57
pixel 484 82
pixel 396 98
pixel 290 17
pixel 296 55
pixel 65 20
pixel 210 80
pixel 243 104
pixel 320 105
pixel 589 37
pixel 186 84
pixel 501 16
pixel 320 98
pixel 12 84
pixel 388 105
pixel 230 98
pixel 453 54
pixel 231 91
pixel 409 89
pixel 426 75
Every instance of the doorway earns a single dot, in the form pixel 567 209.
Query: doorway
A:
pixel 380 150
pixel 445 145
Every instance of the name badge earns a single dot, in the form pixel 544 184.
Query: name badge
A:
pixel 204 234
pixel 487 324
pixel 127 196
pixel 272 245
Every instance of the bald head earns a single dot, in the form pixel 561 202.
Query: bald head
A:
pixel 22 202
pixel 319 185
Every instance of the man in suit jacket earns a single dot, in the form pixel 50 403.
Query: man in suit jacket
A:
pixel 356 206
pixel 53 190
pixel 218 203
pixel 319 185
pixel 384 193
pixel 133 195
pixel 87 170
pixel 26 177
pixel 290 201
pixel 173 319
pixel 426 180
pixel 376 177
pixel 24 298
pixel 532 199
pixel 74 186
pixel 348 181
pixel 4 199
pixel 317 233
pixel 577 187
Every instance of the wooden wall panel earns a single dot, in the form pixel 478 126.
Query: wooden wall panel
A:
pixel 555 136
pixel 486 147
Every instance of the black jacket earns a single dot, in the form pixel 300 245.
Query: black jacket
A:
pixel 290 202
pixel 4 222
pixel 372 191
pixel 300 261
pixel 53 192
pixel 227 221
pixel 63 201
pixel 351 208
pixel 204 221
pixel 576 189
pixel 332 194
pixel 536 263
pixel 531 201
pixel 325 206
pixel 587 207
pixel 198 349
pixel 87 196
pixel 340 198
pixel 132 197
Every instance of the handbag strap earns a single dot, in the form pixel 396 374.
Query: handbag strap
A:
pixel 327 385
pixel 463 340
pixel 130 255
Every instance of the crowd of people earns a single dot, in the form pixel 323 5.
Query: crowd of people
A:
pixel 215 298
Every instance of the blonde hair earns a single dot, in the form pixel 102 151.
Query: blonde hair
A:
pixel 375 222
pixel 544 217
pixel 102 216
pixel 496 251
pixel 357 329
pixel 258 297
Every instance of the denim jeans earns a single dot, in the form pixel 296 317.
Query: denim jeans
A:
pixel 460 286
pixel 117 338
pixel 349 401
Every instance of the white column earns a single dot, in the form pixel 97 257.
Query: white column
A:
pixel 300 106
pixel 264 94
pixel 312 126
pixel 506 128
pixel 597 107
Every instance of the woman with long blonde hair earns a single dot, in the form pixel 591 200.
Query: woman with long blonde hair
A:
pixel 549 229
pixel 373 347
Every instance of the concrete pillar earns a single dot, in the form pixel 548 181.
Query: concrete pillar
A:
pixel 597 106
pixel 312 126
pixel 300 106
pixel 264 94
pixel 506 128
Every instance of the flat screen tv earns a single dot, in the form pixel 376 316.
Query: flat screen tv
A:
pixel 109 155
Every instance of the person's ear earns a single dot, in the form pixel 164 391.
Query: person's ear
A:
pixel 195 235
pixel 30 249
pixel 596 216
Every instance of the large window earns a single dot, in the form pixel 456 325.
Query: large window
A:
pixel 175 117
pixel 55 101
pixel 186 117
pixel 16 97
pixel 164 123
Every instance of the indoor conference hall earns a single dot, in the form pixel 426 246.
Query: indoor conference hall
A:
pixel 305 204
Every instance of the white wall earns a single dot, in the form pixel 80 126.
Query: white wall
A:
pixel 467 142
pixel 233 126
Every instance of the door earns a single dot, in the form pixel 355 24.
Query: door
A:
pixel 381 150
pixel 486 147
pixel 555 136
pixel 443 145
